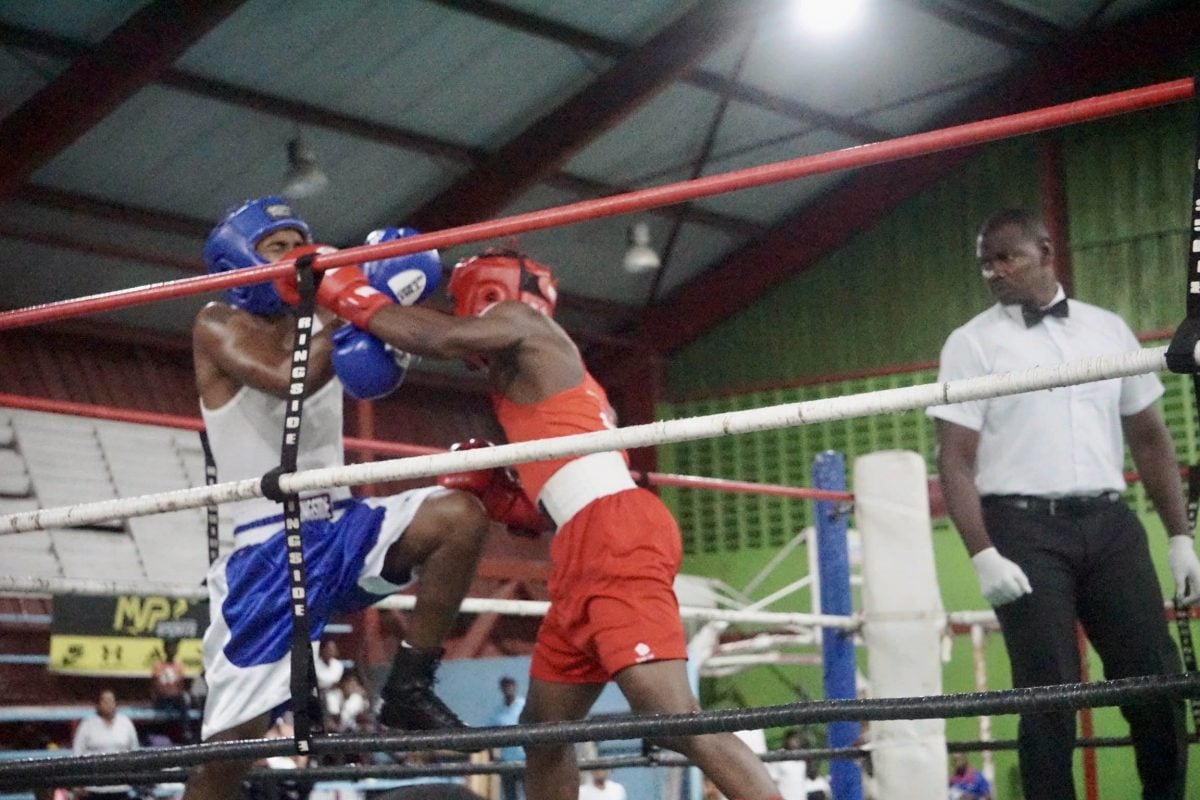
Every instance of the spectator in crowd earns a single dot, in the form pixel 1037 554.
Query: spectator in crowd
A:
pixel 791 776
pixel 600 787
pixel 330 669
pixel 966 783
pixel 509 713
pixel 355 713
pixel 818 784
pixel 199 692
pixel 283 788
pixel 168 687
pixel 109 731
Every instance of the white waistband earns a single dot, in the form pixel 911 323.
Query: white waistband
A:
pixel 581 481
pixel 312 507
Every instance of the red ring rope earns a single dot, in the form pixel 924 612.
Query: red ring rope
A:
pixel 377 447
pixel 654 197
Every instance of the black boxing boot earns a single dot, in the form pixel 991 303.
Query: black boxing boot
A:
pixel 409 702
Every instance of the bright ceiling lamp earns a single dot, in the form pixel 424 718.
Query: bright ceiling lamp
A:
pixel 827 17
pixel 304 178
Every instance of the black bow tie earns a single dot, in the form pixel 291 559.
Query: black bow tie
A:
pixel 1033 315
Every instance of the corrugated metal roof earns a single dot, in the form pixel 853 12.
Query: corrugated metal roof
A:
pixel 399 101
pixel 90 21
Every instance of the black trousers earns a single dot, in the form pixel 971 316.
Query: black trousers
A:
pixel 1093 567
pixel 511 786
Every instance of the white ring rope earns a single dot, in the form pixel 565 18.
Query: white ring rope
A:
pixel 405 602
pixel 830 409
pixel 21 584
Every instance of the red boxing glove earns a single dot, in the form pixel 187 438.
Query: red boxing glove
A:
pixel 476 482
pixel 286 284
pixel 344 290
pixel 505 501
pixel 503 498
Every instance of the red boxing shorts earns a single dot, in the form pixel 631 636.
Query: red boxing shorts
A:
pixel 612 600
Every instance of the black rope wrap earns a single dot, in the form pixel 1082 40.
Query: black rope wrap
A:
pixel 1183 625
pixel 268 484
pixel 1181 352
pixel 1066 697
pixel 1181 358
pixel 212 517
pixel 305 698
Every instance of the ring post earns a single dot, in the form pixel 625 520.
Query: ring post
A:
pixel 904 619
pixel 837 646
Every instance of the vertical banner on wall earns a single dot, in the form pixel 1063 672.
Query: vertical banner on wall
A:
pixel 122 636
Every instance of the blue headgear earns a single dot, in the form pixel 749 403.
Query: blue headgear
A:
pixel 231 246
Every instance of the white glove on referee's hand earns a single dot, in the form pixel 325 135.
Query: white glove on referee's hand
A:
pixel 1185 568
pixel 1001 580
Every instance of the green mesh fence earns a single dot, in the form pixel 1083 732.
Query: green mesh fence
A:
pixel 713 522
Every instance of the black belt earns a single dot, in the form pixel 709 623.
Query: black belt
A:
pixel 1069 506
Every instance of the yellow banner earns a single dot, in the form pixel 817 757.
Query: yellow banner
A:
pixel 116 656
pixel 123 636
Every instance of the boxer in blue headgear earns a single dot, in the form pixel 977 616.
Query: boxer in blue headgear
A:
pixel 356 550
pixel 231 245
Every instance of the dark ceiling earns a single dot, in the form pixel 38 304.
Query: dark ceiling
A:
pixel 128 127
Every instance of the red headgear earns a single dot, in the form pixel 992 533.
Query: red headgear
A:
pixel 479 282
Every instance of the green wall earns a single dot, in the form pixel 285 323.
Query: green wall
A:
pixel 890 297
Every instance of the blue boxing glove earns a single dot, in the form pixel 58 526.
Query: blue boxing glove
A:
pixel 368 368
pixel 406 279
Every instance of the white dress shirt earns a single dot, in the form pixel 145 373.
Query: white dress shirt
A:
pixel 611 791
pixel 791 777
pixel 1052 442
pixel 96 735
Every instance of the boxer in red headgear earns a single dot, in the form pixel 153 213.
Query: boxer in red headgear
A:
pixel 613 613
pixel 479 282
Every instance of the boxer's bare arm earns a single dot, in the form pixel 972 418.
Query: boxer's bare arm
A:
pixel 233 348
pixel 528 355
pixel 438 335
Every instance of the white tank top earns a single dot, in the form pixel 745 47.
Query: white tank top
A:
pixel 245 435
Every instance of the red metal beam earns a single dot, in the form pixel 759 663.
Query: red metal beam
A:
pixel 1001 33
pixel 316 116
pixel 100 208
pixel 1087 728
pixel 1156 41
pixel 130 58
pixel 1054 208
pixel 546 145
pixel 95 247
pixel 190 226
pixel 715 82
pixel 900 148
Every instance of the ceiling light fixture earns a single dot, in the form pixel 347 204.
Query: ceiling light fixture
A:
pixel 828 17
pixel 304 178
pixel 640 256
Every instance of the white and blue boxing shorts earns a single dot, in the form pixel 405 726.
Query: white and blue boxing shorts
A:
pixel 247 644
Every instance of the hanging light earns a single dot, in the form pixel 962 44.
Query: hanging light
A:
pixel 640 256
pixel 304 178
